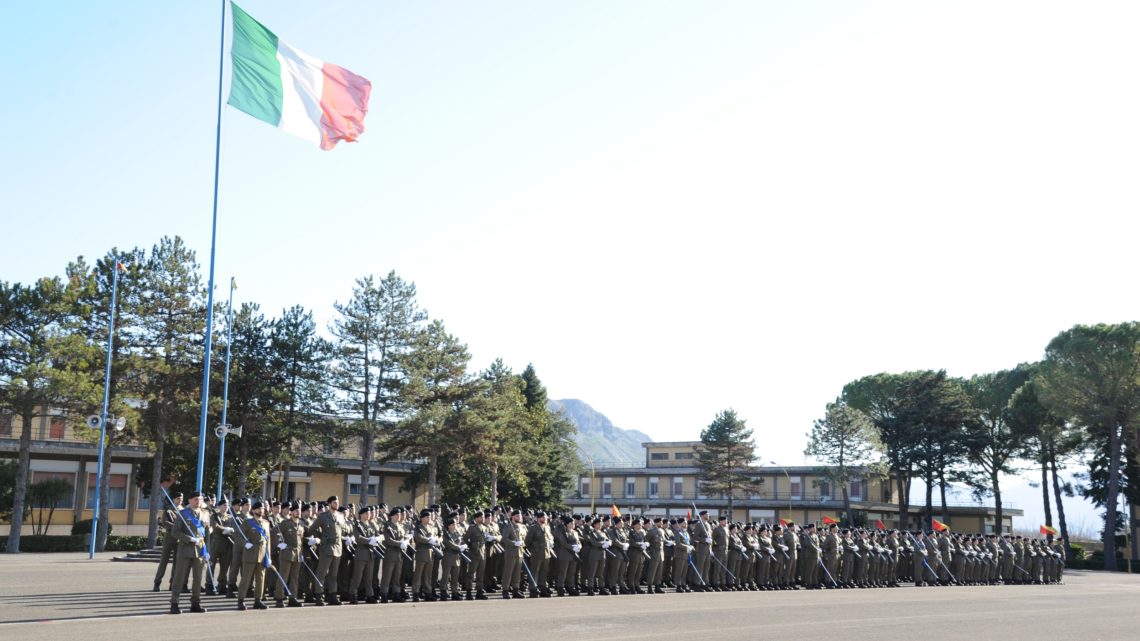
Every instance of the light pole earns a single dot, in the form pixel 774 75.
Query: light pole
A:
pixel 226 386
pixel 115 267
pixel 786 475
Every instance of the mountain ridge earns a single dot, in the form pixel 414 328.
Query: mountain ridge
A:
pixel 597 436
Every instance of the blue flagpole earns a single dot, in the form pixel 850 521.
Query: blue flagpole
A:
pixel 226 385
pixel 213 251
pixel 106 401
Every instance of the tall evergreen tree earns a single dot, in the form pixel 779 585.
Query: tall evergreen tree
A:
pixel 723 458
pixel 373 335
pixel 42 367
pixel 845 439
pixel 1091 377
pixel 878 397
pixel 172 312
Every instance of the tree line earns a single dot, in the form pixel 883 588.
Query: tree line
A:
pixel 1080 403
pixel 384 375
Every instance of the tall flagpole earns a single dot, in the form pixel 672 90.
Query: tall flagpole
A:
pixel 213 251
pixel 226 385
pixel 106 400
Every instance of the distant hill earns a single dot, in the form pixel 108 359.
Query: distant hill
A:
pixel 598 437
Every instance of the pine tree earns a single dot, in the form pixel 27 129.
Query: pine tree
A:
pixel 723 458
pixel 843 440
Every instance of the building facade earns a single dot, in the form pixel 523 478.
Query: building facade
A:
pixel 668 485
pixel 64 448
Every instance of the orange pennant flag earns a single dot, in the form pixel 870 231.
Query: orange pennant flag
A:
pixel 785 522
pixel 614 511
pixel 939 525
pixel 1048 529
pixel 827 520
pixel 879 524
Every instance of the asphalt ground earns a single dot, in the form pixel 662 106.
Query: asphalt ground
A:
pixel 65 596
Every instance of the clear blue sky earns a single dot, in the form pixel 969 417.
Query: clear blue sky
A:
pixel 669 207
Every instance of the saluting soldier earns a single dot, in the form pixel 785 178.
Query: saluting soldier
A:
pixel 329 530
pixel 290 536
pixel 540 544
pixel 189 535
pixel 255 557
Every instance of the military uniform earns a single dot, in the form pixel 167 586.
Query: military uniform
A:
pixel 189 534
pixel 540 545
pixel 289 539
pixel 255 558
pixel 166 520
pixel 328 533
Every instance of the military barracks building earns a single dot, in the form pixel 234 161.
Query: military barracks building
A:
pixel 668 485
pixel 65 448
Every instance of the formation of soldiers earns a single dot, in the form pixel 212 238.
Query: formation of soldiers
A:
pixel 329 554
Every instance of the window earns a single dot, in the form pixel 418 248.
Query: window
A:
pixel 142 501
pixel 116 494
pixel 683 456
pixel 659 456
pixel 653 487
pixel 701 490
pixel 678 487
pixel 825 490
pixel 607 487
pixel 630 488
pixel 858 490
pixel 354 488
pixel 796 488
pixel 584 484
pixel 69 501
pixel 55 427
pixel 5 424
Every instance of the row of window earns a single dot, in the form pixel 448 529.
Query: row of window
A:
pixel 56 426
pixel 677 456
pixel 116 485
pixel 857 490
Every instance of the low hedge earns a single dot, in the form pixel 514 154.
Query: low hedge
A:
pixel 75 543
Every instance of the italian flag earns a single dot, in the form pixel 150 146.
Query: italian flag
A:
pixel 292 90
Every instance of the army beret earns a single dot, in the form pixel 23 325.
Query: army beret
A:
pixel 733 526
pixel 363 510
pixel 448 522
pixel 748 526
pixel 657 519
pixel 176 495
pixel 722 517
pixel 539 514
pixel 595 521
pixel 487 513
pixel 294 506
pixel 243 501
pixel 567 519
pixel 342 508
pixel 833 526
pixel 809 526
pixel 516 512
pixel 461 510
pixel 274 503
pixel 332 498
pixel 306 506
pixel 223 502
pixel 425 512
pixel 257 505
pixel 703 513
pixel 195 495
pixel 776 528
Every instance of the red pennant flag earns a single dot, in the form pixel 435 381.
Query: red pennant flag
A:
pixel 688 515
pixel 939 525
pixel 614 511
pixel 785 522
pixel 1048 529
pixel 827 520
pixel 879 524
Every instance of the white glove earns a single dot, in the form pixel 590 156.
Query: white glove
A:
pixel 708 539
pixel 433 541
pixel 313 540
pixel 462 547
pixel 577 547
pixel 489 538
pixel 281 546
pixel 518 543
pixel 689 548
pixel 248 545
pixel 195 540
pixel 227 530
pixel 783 547
pixel 373 541
pixel 771 550
pixel 624 545
pixel 403 544
pixel 347 539
pixel 643 545
pixel 606 544
pixel 670 543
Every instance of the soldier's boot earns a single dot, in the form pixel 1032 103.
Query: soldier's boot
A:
pixel 279 603
pixel 657 590
pixel 372 599
pixel 384 598
pixel 174 609
pixel 534 593
pixel 210 590
pixel 258 605
pixel 506 594
pixel 518 593
pixel 590 590
pixel 197 608
pixel 157 585
pixel 231 592
pixel 294 603
pixel 334 599
pixel 443 595
pixel 241 604
pixel 455 596
pixel 354 600
pixel 319 601
pixel 561 591
pixel 469 596
pixel 480 596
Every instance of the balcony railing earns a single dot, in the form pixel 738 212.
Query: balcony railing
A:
pixel 803 499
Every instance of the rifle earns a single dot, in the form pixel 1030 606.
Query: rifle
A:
pixel 268 564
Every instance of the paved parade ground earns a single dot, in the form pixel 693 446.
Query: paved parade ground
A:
pixel 64 596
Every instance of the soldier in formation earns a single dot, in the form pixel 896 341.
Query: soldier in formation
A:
pixel 329 554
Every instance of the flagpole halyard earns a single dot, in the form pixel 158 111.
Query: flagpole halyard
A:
pixel 213 251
